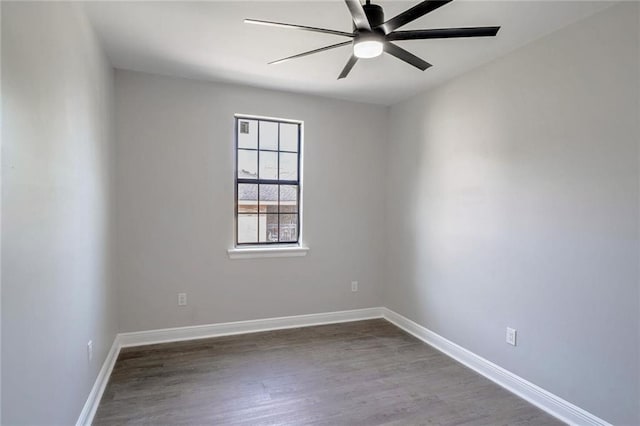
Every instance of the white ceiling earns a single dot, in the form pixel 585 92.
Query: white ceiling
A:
pixel 209 41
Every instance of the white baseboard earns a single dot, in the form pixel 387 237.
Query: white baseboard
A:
pixel 91 405
pixel 545 400
pixel 537 396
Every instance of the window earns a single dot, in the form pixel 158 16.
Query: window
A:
pixel 267 181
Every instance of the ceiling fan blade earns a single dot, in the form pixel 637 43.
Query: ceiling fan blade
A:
pixel 406 56
pixel 358 15
pixel 443 33
pixel 347 68
pixel 311 52
pixel 298 27
pixel 412 14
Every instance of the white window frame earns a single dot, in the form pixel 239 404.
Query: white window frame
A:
pixel 249 251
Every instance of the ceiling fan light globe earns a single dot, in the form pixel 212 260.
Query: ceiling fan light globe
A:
pixel 365 49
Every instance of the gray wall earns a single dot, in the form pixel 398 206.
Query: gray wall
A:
pixel 513 201
pixel 175 205
pixel 56 135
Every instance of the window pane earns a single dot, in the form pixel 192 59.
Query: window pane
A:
pixel 288 166
pixel 247 164
pixel 268 165
pixel 268 198
pixel 247 134
pixel 268 228
pixel 288 137
pixel 247 198
pixel 247 228
pixel 268 135
pixel 288 209
pixel 288 227
pixel 288 198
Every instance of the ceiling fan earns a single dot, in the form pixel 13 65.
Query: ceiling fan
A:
pixel 372 34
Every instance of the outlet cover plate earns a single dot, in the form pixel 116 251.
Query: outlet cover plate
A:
pixel 182 299
pixel 511 336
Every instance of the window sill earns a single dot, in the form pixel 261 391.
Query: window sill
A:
pixel 262 252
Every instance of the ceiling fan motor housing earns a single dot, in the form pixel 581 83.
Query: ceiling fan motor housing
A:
pixel 374 13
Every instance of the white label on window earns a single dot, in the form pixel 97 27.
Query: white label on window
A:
pixel 244 127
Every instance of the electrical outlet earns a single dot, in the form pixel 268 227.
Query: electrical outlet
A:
pixel 511 336
pixel 90 350
pixel 182 299
pixel 354 286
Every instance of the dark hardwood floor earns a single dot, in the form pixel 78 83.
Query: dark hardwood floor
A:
pixel 359 373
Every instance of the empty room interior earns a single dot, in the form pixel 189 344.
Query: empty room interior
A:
pixel 335 212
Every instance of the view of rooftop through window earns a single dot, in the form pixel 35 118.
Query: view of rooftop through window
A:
pixel 267 181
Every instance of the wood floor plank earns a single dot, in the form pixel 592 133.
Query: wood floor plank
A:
pixel 360 373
